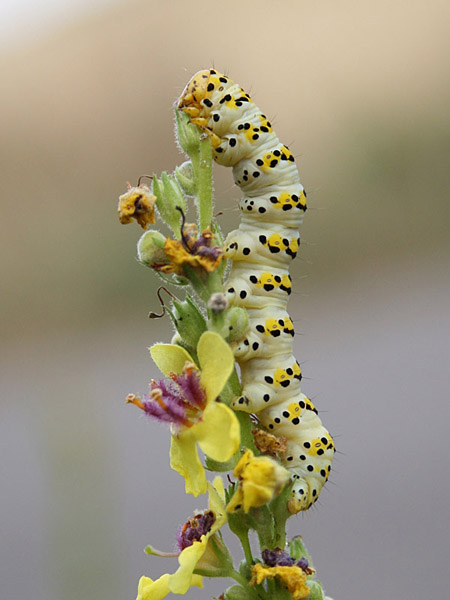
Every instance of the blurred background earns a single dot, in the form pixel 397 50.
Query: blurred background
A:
pixel 360 92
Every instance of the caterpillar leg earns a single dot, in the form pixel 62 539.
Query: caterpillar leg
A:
pixel 201 122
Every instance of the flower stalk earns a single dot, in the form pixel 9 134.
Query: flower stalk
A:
pixel 195 396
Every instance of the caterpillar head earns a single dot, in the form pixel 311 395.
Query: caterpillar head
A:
pixel 196 95
pixel 194 92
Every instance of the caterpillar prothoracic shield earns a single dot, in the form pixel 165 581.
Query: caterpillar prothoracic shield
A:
pixel 261 250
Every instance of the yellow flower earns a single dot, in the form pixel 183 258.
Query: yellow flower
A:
pixel 200 554
pixel 293 578
pixel 193 555
pixel 260 479
pixel 215 428
pixel 137 203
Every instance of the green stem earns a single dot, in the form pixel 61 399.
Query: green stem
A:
pixel 247 549
pixel 203 182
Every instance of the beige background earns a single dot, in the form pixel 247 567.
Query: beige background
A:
pixel 360 93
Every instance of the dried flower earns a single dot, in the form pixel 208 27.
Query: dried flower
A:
pixel 293 578
pixel 137 203
pixel 195 251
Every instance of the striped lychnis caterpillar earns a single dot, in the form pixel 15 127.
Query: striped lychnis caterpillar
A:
pixel 261 250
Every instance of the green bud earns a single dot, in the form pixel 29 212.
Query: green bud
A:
pixel 168 198
pixel 236 323
pixel 185 177
pixel 298 549
pixel 189 321
pixel 316 590
pixel 173 193
pixel 150 248
pixel 188 136
pixel 236 592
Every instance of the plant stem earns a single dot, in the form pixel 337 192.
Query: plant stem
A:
pixel 203 181
pixel 247 549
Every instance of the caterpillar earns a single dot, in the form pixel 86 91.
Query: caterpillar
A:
pixel 261 250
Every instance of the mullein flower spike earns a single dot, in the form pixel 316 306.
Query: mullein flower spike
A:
pixel 201 386
pixel 189 403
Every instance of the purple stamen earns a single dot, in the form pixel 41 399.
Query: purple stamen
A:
pixel 209 252
pixel 177 402
pixel 278 558
pixel 194 529
pixel 191 388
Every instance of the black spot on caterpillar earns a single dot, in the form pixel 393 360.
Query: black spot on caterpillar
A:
pixel 261 250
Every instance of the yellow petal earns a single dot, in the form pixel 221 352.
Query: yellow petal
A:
pixel 153 590
pixel 182 579
pixel 255 495
pixel 184 459
pixel 216 494
pixel 219 488
pixel 216 362
pixel 170 358
pixel 218 432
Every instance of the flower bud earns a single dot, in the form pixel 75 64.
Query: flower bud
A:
pixel 298 549
pixel 172 192
pixel 188 135
pixel 217 303
pixel 150 248
pixel 169 199
pixel 185 177
pixel 316 592
pixel 189 321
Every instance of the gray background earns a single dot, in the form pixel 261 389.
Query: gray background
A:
pixel 360 92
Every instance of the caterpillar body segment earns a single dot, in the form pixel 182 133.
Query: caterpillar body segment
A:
pixel 261 250
pixel 310 448
pixel 269 333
